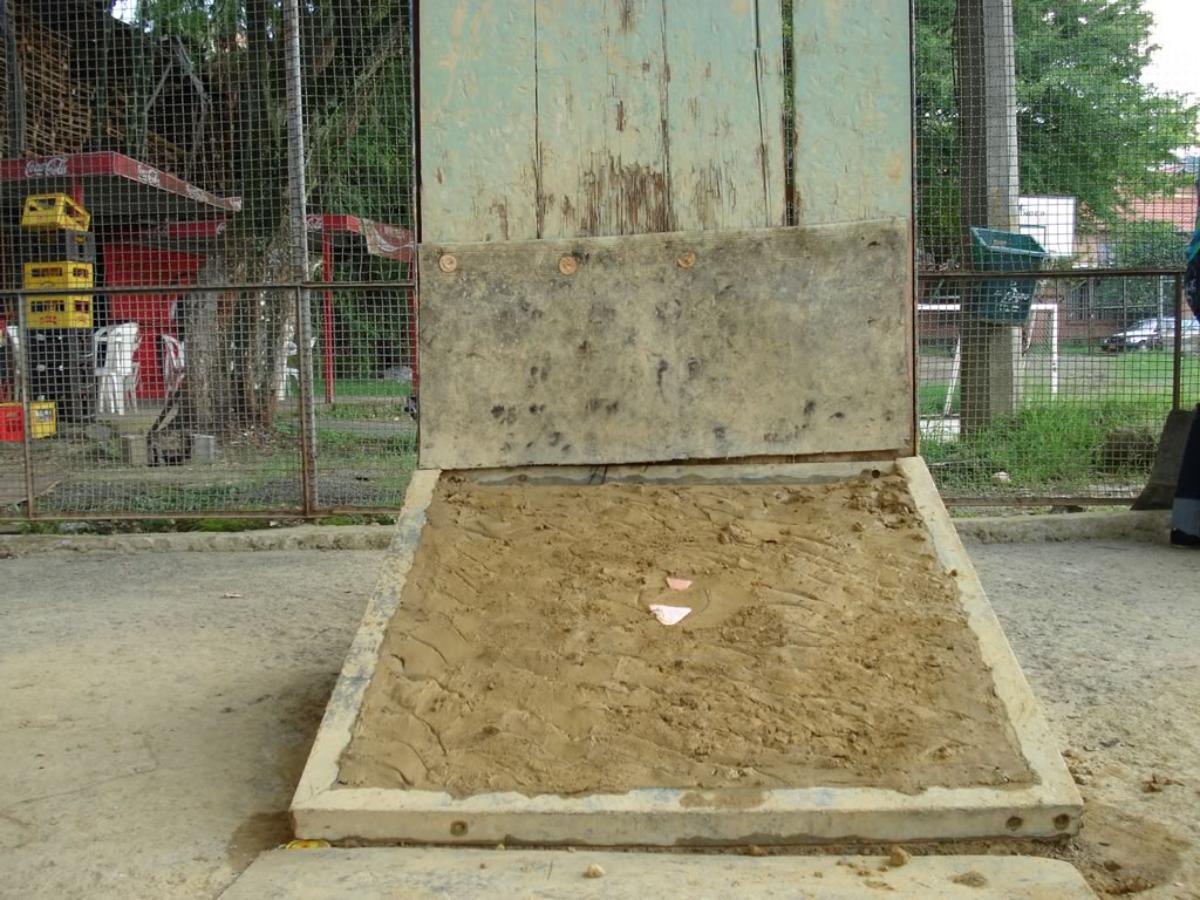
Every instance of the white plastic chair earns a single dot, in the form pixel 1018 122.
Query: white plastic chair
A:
pixel 173 363
pixel 287 378
pixel 117 377
pixel 12 337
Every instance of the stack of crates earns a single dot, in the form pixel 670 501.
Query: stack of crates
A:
pixel 60 254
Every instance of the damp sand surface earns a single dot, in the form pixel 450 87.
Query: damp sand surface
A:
pixel 825 646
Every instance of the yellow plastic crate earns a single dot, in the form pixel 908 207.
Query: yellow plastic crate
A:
pixel 59 274
pixel 43 418
pixel 48 211
pixel 59 311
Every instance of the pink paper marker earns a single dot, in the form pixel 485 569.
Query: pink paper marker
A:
pixel 678 584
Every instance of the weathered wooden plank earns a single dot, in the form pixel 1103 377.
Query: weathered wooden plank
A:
pixel 772 77
pixel 725 114
pixel 853 157
pixel 601 89
pixel 478 120
pixel 770 342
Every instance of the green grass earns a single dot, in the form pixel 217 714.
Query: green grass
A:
pixel 377 411
pixel 348 444
pixel 931 399
pixel 1156 367
pixel 344 388
pixel 1051 446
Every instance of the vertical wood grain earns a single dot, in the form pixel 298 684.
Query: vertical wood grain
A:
pixel 478 120
pixel 558 118
pixel 853 150
pixel 602 84
pixel 725 116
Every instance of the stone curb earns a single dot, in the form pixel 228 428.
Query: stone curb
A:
pixel 304 537
pixel 1126 525
pixel 1151 526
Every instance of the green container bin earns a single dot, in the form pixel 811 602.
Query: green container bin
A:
pixel 1002 300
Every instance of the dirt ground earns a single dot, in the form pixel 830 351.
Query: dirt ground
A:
pixel 822 644
pixel 153 723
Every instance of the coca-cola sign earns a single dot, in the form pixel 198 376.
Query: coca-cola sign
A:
pixel 50 167
pixel 148 175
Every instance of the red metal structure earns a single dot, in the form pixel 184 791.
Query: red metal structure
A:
pixel 146 228
pixel 388 241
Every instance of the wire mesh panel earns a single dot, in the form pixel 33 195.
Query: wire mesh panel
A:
pixel 365 415
pixel 155 150
pixel 358 102
pixel 173 405
pixel 1093 374
pixel 171 174
pixel 1099 137
pixel 1050 138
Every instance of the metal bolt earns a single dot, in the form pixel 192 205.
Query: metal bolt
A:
pixel 686 260
pixel 568 265
pixel 458 829
pixel 448 263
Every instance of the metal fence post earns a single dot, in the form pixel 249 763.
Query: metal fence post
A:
pixel 1177 350
pixel 308 433
pixel 21 369
pixel 298 215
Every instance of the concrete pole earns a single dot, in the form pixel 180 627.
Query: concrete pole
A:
pixel 985 50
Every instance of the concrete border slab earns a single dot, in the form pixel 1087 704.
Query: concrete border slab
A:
pixel 1151 526
pixel 417 872
pixel 323 808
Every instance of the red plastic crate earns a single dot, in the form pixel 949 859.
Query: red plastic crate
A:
pixel 12 422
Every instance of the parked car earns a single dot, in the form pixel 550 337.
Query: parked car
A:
pixel 1153 334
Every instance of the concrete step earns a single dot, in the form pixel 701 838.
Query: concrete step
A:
pixel 417 872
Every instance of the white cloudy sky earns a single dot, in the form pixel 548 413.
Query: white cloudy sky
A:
pixel 1176 65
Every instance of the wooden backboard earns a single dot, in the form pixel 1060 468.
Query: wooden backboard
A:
pixel 623 134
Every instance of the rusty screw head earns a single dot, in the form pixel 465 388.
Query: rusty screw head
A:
pixel 568 265
pixel 686 260
pixel 448 263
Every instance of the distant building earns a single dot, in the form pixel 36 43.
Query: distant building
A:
pixel 1178 210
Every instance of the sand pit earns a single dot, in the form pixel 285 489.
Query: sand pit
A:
pixel 825 647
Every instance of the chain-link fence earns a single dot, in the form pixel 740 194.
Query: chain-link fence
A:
pixel 1087 378
pixel 208 286
pixel 1049 142
pixel 206 257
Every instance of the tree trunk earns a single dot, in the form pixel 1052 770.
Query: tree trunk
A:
pixel 237 342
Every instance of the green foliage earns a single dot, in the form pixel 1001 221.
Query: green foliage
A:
pixel 370 170
pixel 1088 127
pixel 938 193
pixel 1139 245
pixel 1149 245
pixel 931 399
pixel 355 66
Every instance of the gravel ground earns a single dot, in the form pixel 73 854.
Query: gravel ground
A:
pixel 156 709
pixel 1108 634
